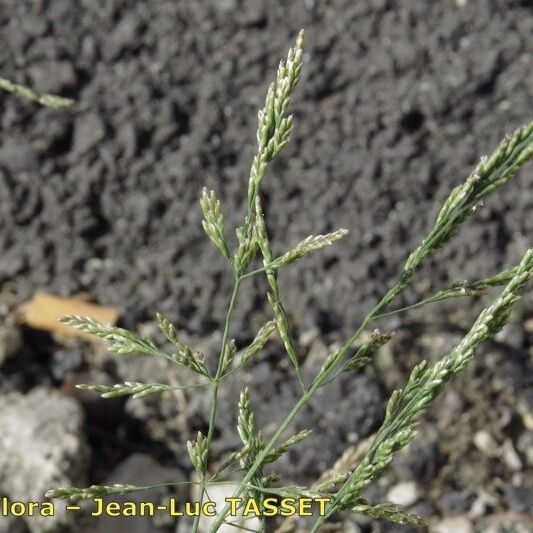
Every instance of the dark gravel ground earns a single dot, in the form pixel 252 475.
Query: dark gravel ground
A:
pixel 397 102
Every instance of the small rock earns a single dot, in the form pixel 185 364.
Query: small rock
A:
pixel 478 507
pixel 511 457
pixel 485 443
pixel 89 130
pixel 41 447
pixel 404 494
pixel 455 524
pixel 525 407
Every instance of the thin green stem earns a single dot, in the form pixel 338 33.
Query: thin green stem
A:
pixel 430 300
pixel 181 387
pixel 214 393
pixel 227 326
pixel 256 271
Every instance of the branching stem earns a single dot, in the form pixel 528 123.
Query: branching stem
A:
pixel 321 378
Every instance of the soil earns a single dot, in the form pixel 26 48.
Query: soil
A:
pixel 397 102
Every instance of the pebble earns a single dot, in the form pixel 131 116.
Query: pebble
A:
pixel 485 443
pixel 478 508
pixel 42 446
pixel 525 407
pixel 404 494
pixel 455 524
pixel 511 457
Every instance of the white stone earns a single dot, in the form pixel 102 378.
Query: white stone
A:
pixel 511 457
pixel 404 494
pixel 485 443
pixel 41 447
pixel 455 524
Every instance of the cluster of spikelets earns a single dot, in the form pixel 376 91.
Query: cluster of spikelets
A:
pixel 349 477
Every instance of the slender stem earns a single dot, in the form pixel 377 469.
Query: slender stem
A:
pixel 214 394
pixel 257 271
pixel 226 327
pixel 212 414
pixel 431 299
pixel 192 386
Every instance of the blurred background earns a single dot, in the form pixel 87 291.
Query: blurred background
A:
pixel 397 103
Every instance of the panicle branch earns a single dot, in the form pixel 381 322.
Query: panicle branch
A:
pixel 44 99
pixel 493 172
pixel 94 491
pixel 128 388
pixel 121 341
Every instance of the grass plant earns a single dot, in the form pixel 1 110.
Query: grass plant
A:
pixel 345 488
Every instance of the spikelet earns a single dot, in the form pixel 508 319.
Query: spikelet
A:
pixel 213 222
pixel 307 246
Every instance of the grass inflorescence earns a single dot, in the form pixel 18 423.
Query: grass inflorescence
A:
pixel 343 486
